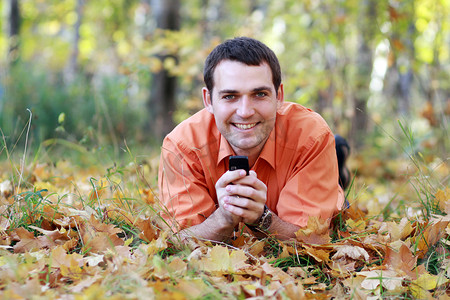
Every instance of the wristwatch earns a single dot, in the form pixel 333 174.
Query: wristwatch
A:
pixel 264 222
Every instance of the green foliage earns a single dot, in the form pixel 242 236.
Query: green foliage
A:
pixel 317 42
pixel 91 115
pixel 28 209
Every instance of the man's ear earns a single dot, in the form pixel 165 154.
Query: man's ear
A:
pixel 207 100
pixel 280 96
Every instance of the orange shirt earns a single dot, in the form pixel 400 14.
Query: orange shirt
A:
pixel 298 164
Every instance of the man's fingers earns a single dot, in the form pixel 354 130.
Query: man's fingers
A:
pixel 242 210
pixel 242 202
pixel 258 195
pixel 230 177
pixel 251 181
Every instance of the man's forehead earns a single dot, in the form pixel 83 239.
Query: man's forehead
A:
pixel 232 61
pixel 235 68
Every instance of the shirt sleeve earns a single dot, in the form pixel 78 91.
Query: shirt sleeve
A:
pixel 312 188
pixel 183 191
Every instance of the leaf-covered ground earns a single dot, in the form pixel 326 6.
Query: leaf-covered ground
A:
pixel 90 233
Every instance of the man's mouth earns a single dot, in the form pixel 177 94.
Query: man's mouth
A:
pixel 245 126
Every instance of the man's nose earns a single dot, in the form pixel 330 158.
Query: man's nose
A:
pixel 245 108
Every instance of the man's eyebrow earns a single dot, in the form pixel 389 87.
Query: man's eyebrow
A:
pixel 258 89
pixel 228 92
pixel 262 88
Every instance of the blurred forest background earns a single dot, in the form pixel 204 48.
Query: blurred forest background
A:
pixel 98 72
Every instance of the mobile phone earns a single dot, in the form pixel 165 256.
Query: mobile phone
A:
pixel 239 162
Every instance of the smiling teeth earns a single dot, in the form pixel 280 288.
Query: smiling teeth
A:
pixel 245 126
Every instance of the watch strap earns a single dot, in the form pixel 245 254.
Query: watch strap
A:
pixel 264 222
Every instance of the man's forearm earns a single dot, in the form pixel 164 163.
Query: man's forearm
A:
pixel 280 229
pixel 214 228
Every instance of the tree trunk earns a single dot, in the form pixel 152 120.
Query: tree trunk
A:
pixel 14 31
pixel 162 102
pixel 72 66
pixel 364 64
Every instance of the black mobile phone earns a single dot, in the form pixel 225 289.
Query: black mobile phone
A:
pixel 239 162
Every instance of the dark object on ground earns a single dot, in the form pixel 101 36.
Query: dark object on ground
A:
pixel 342 152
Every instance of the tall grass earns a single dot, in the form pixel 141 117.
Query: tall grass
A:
pixel 94 114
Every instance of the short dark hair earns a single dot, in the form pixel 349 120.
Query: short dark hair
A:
pixel 245 50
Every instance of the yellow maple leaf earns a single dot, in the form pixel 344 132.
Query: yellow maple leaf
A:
pixel 426 282
pixel 73 271
pixel 220 260
pixel 355 226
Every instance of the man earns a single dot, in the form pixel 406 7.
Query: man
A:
pixel 291 152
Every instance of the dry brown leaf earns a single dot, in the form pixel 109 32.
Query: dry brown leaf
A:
pixel 317 232
pixel 297 272
pixel 294 291
pixel 85 283
pixel 98 237
pixel 318 254
pixel 177 267
pixel 353 252
pixel 5 189
pixel 148 195
pixel 4 223
pixel 429 237
pixel 257 248
pixel 277 273
pixel 98 226
pixel 442 199
pixel 75 272
pixel 403 261
pixel 194 288
pixel 342 269
pixel 27 241
pixel 100 242
pixel 56 235
pixel 59 257
pixel 387 278
pixel 148 232
pixel 397 231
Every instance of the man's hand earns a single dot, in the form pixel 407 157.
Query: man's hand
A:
pixel 243 197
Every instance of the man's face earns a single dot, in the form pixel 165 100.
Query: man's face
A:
pixel 244 103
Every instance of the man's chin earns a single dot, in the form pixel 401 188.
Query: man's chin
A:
pixel 244 146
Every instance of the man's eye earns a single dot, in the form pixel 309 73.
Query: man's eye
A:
pixel 261 94
pixel 229 97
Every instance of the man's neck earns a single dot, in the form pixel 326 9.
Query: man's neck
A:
pixel 252 154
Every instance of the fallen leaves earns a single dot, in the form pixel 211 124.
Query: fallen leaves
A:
pixel 353 252
pixel 97 238
pixel 316 232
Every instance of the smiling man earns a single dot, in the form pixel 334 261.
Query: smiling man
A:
pixel 291 152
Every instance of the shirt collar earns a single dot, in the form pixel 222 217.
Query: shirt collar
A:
pixel 268 152
pixel 225 150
